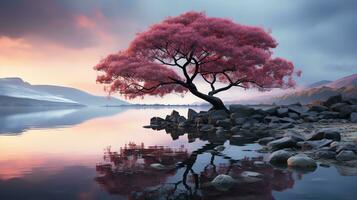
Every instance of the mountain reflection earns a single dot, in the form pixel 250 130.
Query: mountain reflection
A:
pixel 158 172
pixel 15 120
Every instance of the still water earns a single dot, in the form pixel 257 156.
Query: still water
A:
pixel 103 153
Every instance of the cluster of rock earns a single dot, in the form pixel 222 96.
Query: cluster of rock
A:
pixel 259 123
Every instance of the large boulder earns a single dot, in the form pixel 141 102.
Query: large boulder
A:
pixel 225 123
pixel 279 157
pixel 223 182
pixel 282 112
pixel 301 161
pixel 346 155
pixel 325 154
pixel 329 115
pixel 174 117
pixel 191 114
pixel 318 108
pixel 241 111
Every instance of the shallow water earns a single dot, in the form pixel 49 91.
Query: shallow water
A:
pixel 55 154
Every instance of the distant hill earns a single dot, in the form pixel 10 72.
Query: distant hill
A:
pixel 347 86
pixel 16 92
pixel 318 84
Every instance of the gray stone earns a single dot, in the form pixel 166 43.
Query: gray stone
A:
pixel 338 106
pixel 219 148
pixel 318 108
pixel 158 166
pixel 225 123
pixel 191 115
pixel 315 135
pixel 298 109
pixel 185 124
pixel 329 115
pixel 301 161
pixel 282 112
pixel 215 115
pixel 293 115
pixel 265 140
pixel 279 157
pixel 235 129
pixel 285 142
pixel 285 126
pixel 295 135
pixel 325 154
pixel 156 120
pixel 174 116
pixel 223 182
pixel 207 127
pixel 240 120
pixel 259 163
pixel 251 174
pixel 331 133
pixel 316 144
pixel 353 117
pixel 346 155
pixel 272 110
pixel 286 120
pixel 333 100
pixel 241 110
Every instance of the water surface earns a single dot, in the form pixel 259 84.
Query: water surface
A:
pixel 54 154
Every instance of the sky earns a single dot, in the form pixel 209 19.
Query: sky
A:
pixel 59 41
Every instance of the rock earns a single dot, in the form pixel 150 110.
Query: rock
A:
pixel 285 142
pixel 223 182
pixel 225 123
pixel 191 114
pixel 235 129
pixel 293 115
pixel 337 107
pixel 251 174
pixel 241 110
pixel 285 126
pixel 329 115
pixel 282 112
pixel 295 135
pixel 272 111
pixel 301 161
pixel 316 144
pixel 259 163
pixel 207 127
pixel 239 120
pixel 219 148
pixel 157 166
pixel 185 124
pixel 325 154
pixel 333 100
pixel 265 140
pixel 220 130
pixel 286 120
pixel 353 117
pixel 156 120
pixel 215 115
pixel 318 108
pixel 346 155
pixel 279 157
pixel 311 119
pixel 298 109
pixel 330 133
pixel 315 135
pixel 174 116
pixel 181 119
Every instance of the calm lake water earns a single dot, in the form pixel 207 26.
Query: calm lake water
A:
pixel 58 154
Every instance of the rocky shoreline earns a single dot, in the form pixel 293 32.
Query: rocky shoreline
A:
pixel 297 136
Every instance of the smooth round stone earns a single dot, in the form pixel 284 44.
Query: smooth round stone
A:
pixel 279 157
pixel 301 161
pixel 223 182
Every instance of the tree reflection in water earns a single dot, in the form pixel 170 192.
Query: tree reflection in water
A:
pixel 129 172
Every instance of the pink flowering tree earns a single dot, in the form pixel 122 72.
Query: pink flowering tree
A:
pixel 172 56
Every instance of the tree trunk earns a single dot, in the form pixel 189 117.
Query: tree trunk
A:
pixel 217 103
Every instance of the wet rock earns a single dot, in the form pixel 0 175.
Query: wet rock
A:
pixel 181 119
pixel 301 161
pixel 282 112
pixel 353 117
pixel 279 157
pixel 241 111
pixel 295 135
pixel 286 120
pixel 315 135
pixel 315 144
pixel 174 116
pixel 223 182
pixel 329 115
pixel 185 124
pixel 220 130
pixel 346 155
pixel 285 142
pixel 251 174
pixel 325 154
pixel 259 163
pixel 333 100
pixel 285 126
pixel 265 140
pixel 318 108
pixel 330 133
pixel 225 123
pixel 157 166
pixel 215 115
pixel 235 129
pixel 298 109
pixel 156 120
pixel 207 127
pixel 191 115
pixel 293 115
pixel 272 110
pixel 219 148
pixel 239 120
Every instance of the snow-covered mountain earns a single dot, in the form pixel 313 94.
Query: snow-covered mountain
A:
pixel 14 91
